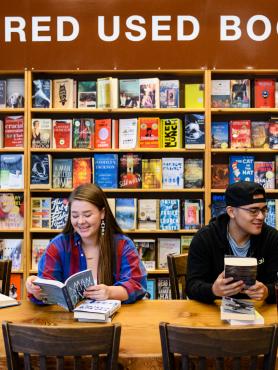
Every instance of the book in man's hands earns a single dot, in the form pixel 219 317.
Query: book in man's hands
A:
pixel 6 301
pixel 96 311
pixel 239 312
pixel 241 268
pixel 67 294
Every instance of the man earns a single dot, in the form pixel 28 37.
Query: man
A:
pixel 240 231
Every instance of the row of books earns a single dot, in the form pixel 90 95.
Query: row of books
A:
pixel 245 134
pixel 239 94
pixel 12 93
pixel 245 168
pixel 218 206
pixel 127 171
pixel 159 288
pixel 109 92
pixel 130 213
pixel 123 133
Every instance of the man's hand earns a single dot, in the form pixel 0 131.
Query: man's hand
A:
pixel 225 287
pixel 258 291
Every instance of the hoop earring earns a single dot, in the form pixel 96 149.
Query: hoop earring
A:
pixel 102 227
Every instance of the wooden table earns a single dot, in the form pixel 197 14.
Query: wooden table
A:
pixel 140 342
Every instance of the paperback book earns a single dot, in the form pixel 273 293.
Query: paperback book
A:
pixel 241 168
pixel 42 93
pixel 87 94
pixel 163 288
pixel 14 132
pixel 59 213
pixel 167 246
pixel 67 294
pixel 6 301
pixel 146 251
pixel 169 93
pixel 62 173
pixel 12 171
pixel 149 92
pixel 241 268
pixel 220 93
pixel 220 135
pixel 41 171
pixel 149 132
pixel 83 133
pixel 129 93
pixel 169 214
pixel 82 171
pixel 259 134
pixel 15 93
pixel 38 248
pixel 12 251
pixel 151 173
pixel 194 133
pixel 11 211
pixel 193 173
pixel 237 309
pixel 130 171
pixel 240 93
pixel 106 170
pixel 126 211
pixel 41 133
pixel 171 133
pixel 172 173
pixel 96 311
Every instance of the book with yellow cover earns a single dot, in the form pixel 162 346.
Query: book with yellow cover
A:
pixel 151 173
pixel 194 95
pixel 171 133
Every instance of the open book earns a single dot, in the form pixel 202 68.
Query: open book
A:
pixel 6 301
pixel 241 268
pixel 66 295
pixel 97 311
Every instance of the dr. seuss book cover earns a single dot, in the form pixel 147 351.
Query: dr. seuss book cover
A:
pixel 241 168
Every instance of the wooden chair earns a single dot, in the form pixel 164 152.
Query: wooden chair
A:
pixel 5 276
pixel 225 346
pixel 177 265
pixel 47 342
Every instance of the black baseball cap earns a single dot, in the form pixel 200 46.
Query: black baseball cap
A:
pixel 242 193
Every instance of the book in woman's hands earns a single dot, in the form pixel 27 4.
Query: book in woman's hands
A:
pixel 67 294
pixel 96 311
pixel 241 268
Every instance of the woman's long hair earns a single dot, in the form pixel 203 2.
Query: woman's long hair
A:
pixel 93 194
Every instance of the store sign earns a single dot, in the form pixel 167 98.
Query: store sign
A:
pixel 122 34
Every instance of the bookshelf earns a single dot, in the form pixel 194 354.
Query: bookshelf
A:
pixel 209 155
pixel 13 224
pixel 184 76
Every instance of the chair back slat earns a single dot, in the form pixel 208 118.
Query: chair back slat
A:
pixel 222 345
pixel 5 276
pixel 77 362
pixel 177 265
pixel 59 341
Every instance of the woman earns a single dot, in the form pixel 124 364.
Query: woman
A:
pixel 92 239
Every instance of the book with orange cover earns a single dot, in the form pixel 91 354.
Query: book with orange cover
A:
pixel 15 286
pixel 82 171
pixel 149 132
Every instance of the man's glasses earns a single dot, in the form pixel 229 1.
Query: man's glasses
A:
pixel 255 211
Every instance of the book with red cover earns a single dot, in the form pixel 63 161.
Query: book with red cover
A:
pixel 264 93
pixel 130 169
pixel 240 134
pixel 13 132
pixel 103 133
pixel 82 171
pixel 149 132
pixel 115 133
pixel 62 133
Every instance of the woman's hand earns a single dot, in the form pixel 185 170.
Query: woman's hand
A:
pixel 98 292
pixel 32 288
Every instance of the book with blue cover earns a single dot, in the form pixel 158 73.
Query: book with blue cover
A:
pixel 126 211
pixel 241 168
pixel 220 135
pixel 218 205
pixel 151 288
pixel 41 173
pixel 106 170
pixel 169 214
pixel 59 213
pixel 194 132
pixel 270 218
pixel 11 171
